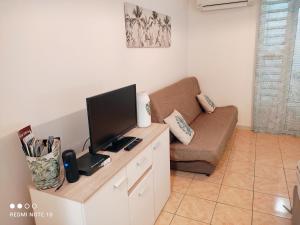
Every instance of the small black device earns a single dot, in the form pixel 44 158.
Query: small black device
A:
pixel 110 116
pixel 133 144
pixel 70 165
pixel 90 163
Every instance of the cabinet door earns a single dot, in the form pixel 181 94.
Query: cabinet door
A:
pixel 161 168
pixel 141 202
pixel 109 206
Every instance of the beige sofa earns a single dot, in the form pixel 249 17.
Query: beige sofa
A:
pixel 212 131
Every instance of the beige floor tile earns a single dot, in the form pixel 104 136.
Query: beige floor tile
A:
pixel 180 184
pixel 196 208
pixel 243 138
pixel 263 139
pixel 269 172
pixel 238 180
pixel 244 167
pixel 205 190
pixel 230 142
pixel 182 174
pixel 265 219
pixel 267 149
pixel 173 202
pixel 246 137
pixel 179 220
pixel 236 197
pixel 291 192
pixel 225 155
pixel 275 160
pixel 243 147
pixel 229 215
pixel 245 132
pixel 291 189
pixel 164 218
pixel 290 162
pixel 221 166
pixel 289 139
pixel 289 143
pixel 290 148
pixel 291 151
pixel 216 177
pixel 291 176
pixel 228 149
pixel 271 204
pixel 269 159
pixel 238 155
pixel 269 186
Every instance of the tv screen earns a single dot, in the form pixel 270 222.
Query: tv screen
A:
pixel 111 115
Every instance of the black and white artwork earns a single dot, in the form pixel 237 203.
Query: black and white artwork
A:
pixel 146 28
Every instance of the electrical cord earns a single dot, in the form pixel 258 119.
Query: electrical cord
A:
pixel 85 143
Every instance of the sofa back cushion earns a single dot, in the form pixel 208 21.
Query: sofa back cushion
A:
pixel 180 96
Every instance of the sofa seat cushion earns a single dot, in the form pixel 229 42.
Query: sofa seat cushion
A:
pixel 212 131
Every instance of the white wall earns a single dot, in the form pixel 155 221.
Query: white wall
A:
pixel 53 54
pixel 221 53
pixel 56 53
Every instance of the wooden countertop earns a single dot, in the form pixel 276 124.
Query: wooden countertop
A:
pixel 86 186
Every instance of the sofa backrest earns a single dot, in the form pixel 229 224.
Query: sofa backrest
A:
pixel 180 96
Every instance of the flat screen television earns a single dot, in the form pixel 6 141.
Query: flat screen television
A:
pixel 110 116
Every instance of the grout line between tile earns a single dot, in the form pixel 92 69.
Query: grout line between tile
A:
pixel 183 195
pixel 172 218
pixel 226 167
pixel 191 219
pixel 279 196
pixel 240 188
pixel 268 193
pixel 221 184
pixel 287 187
pixel 253 179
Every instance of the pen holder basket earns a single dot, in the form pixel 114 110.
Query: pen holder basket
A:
pixel 45 170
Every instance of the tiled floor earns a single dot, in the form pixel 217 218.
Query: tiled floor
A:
pixel 251 184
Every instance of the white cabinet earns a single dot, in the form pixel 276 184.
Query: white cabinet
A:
pixel 131 190
pixel 141 202
pixel 161 169
pixel 63 211
pixel 110 204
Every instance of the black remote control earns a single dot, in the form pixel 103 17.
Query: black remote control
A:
pixel 133 144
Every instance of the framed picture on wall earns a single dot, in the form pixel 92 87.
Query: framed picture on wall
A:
pixel 146 28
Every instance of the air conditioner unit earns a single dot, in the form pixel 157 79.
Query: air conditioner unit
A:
pixel 207 5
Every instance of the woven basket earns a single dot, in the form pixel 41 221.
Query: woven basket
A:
pixel 45 170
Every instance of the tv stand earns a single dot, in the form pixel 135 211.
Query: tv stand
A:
pixel 119 144
pixel 131 190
